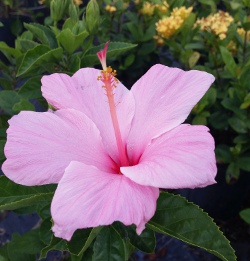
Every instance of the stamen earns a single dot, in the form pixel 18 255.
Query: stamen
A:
pixel 110 83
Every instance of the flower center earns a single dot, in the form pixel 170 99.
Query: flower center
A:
pixel 109 84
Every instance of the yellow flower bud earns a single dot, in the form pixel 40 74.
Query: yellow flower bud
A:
pixel 110 8
pixel 147 9
pixel 77 2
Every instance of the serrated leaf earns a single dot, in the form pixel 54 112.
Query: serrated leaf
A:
pixel 55 244
pixel 7 101
pixel 45 232
pixel 43 34
pixel 28 243
pixel 177 217
pixel 13 196
pixel 109 246
pixel 144 242
pixel 38 56
pixel 82 239
pixel 31 89
pixel 23 248
pixel 114 49
pixel 70 41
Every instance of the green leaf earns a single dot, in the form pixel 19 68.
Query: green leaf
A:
pixel 233 172
pixel 109 246
pixel 210 3
pixel 55 244
pixel 39 56
pixel 23 105
pixel 193 59
pixel 31 89
pixel 177 217
pixel 22 248
pixel 70 41
pixel 24 45
pixel 244 163
pixel 129 60
pixel 238 125
pixel 229 61
pixel 74 63
pixel 6 50
pixel 144 242
pixel 246 103
pixel 45 231
pixel 43 34
pixel 114 49
pixel 246 26
pixel 16 27
pixel 149 34
pixel 2 144
pixel 6 84
pixel 28 243
pixel 199 120
pixel 7 100
pixel 14 196
pixel 233 105
pixel 223 154
pixel 245 215
pixel 82 239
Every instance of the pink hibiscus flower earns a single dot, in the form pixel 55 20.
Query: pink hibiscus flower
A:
pixel 110 149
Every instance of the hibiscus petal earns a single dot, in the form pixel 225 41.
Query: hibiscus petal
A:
pixel 181 158
pixel 164 97
pixel 41 145
pixel 84 92
pixel 87 197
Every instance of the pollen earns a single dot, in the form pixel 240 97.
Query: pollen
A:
pixel 108 78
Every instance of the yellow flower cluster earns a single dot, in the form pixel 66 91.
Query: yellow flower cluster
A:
pixel 148 8
pixel 110 8
pixel 243 33
pixel 163 8
pixel 216 23
pixel 181 12
pixel 167 26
